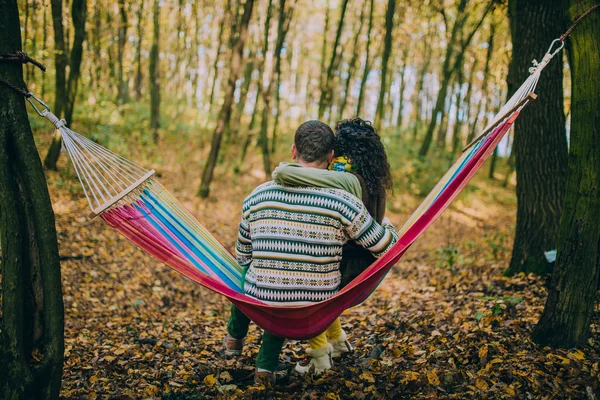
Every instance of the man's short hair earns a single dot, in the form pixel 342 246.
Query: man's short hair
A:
pixel 314 141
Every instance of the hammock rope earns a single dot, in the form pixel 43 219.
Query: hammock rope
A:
pixel 130 199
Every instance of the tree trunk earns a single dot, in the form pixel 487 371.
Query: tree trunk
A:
pixel 138 51
pixel 421 85
pixel 282 28
pixel 401 88
pixel 569 308
pixel 155 76
pixel 365 75
pixel 44 46
pixel 97 35
pixel 326 89
pixel 79 15
pixel 60 79
pixel 32 313
pixel 260 90
pixel 540 144
pixel 121 41
pixel 235 68
pixel 387 49
pixel 449 68
pixel 456 136
pixel 484 83
pixel 60 58
pixel 352 64
pixel 218 55
pixel 245 87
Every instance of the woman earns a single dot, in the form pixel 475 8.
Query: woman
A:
pixel 358 150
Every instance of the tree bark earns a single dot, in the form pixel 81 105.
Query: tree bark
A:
pixel 326 89
pixel 60 58
pixel 401 88
pixel 421 84
pixel 567 315
pixel 138 52
pixel 218 55
pixel 121 41
pixel 352 64
pixel 79 15
pixel 260 90
pixel 387 49
pixel 365 75
pixel 540 144
pixel 450 68
pixel 31 338
pixel 484 83
pixel 155 76
pixel 245 87
pixel 282 28
pixel 235 68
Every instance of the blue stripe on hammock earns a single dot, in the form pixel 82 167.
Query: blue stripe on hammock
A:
pixel 156 206
pixel 198 247
pixel 167 237
pixel 460 168
pixel 189 221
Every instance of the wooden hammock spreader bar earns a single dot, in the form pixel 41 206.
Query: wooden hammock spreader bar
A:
pixel 530 97
pixel 99 210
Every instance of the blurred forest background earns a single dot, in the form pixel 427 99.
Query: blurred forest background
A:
pixel 209 94
pixel 162 70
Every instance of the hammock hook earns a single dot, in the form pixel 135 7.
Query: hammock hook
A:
pixel 559 48
pixel 538 66
pixel 46 109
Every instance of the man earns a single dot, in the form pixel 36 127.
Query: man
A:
pixel 291 238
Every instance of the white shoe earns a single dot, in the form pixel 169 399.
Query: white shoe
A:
pixel 320 361
pixel 341 346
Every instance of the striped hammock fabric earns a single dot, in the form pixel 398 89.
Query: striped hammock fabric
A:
pixel 134 203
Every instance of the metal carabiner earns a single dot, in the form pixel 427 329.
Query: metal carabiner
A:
pixel 562 44
pixel 46 107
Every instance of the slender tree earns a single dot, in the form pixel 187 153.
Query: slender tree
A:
pixel 121 41
pixel 484 83
pixel 32 311
pixel 458 121
pixel 421 81
pixel 326 89
pixel 139 76
pixel 569 308
pixel 260 91
pixel 282 29
pixel 215 68
pixel 367 65
pixel 540 144
pixel 352 64
pixel 454 56
pixel 68 93
pixel 235 68
pixel 155 76
pixel 387 50
pixel 402 88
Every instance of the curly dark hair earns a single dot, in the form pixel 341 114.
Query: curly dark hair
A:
pixel 357 139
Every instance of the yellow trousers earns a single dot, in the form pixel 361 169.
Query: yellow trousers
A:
pixel 332 333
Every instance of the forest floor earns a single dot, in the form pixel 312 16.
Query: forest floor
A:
pixel 445 323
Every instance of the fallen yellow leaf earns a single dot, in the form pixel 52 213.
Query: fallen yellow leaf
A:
pixel 210 380
pixel 367 377
pixel 481 384
pixel 433 378
pixel 483 352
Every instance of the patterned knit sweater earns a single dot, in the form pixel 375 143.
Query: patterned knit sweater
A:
pixel 291 240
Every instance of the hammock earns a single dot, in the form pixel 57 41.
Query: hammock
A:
pixel 131 200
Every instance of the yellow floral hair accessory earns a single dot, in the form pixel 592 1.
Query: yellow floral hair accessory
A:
pixel 341 163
